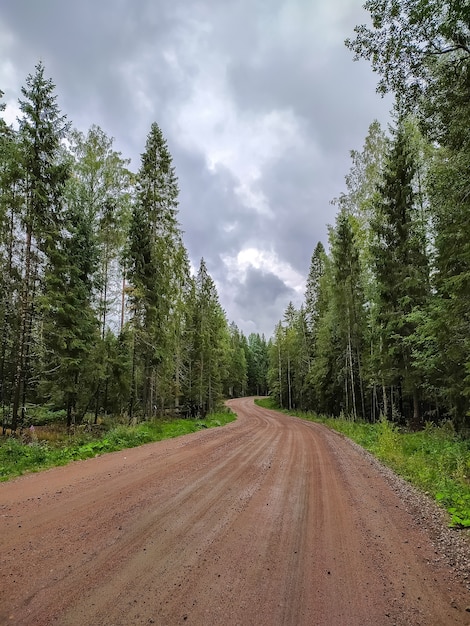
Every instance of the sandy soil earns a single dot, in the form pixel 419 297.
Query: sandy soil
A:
pixel 267 521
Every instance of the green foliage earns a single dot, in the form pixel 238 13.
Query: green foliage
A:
pixel 435 459
pixel 157 269
pixel 409 42
pixel 17 457
pixel 42 415
pixel 267 403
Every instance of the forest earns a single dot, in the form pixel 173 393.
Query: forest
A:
pixel 385 325
pixel 99 311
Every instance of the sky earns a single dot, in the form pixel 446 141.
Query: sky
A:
pixel 260 103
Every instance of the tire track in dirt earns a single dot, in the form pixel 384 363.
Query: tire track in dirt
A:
pixel 269 520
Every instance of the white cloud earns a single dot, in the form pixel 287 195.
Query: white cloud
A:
pixel 266 261
pixel 9 80
pixel 209 122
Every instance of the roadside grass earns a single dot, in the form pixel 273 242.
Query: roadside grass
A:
pixel 435 459
pixel 51 447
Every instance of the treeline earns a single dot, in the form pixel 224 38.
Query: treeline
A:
pixel 99 312
pixel 385 326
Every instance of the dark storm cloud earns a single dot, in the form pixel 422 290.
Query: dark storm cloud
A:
pixel 260 298
pixel 259 101
pixel 260 288
pixel 106 58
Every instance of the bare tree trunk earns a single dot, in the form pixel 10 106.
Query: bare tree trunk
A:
pixel 19 380
pixel 132 390
pixel 201 382
pixel 353 391
pixel 416 411
pixel 123 300
pixel 385 400
pixel 97 402
pixel 6 331
pixel 289 388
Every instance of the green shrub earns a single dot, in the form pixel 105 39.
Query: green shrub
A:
pixel 435 459
pixel 18 457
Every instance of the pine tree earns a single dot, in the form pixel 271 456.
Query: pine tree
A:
pixel 156 268
pixel 401 269
pixel 69 324
pixel 10 271
pixel 446 333
pixel 276 369
pixel 236 382
pixel 349 307
pixel 210 343
pixel 326 391
pixel 44 174
pixel 257 358
pixel 312 293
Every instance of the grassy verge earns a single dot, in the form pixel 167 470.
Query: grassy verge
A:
pixel 17 457
pixel 435 459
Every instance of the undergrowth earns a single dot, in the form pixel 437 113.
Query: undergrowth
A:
pixel 44 451
pixel 434 459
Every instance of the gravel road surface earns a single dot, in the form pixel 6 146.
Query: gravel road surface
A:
pixel 269 520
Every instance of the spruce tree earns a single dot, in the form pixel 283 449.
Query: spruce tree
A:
pixel 10 258
pixel 156 268
pixel 401 270
pixel 349 307
pixel 44 173
pixel 69 324
pixel 236 382
pixel 210 342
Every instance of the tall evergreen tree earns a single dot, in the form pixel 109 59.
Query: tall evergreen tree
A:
pixel 313 308
pixel 349 305
pixel 44 174
pixel 213 338
pixel 156 265
pixel 312 293
pixel 402 272
pixel 257 358
pixel 69 324
pixel 236 383
pixel 446 334
pixel 10 272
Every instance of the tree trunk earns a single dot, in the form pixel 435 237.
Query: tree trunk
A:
pixel 385 401
pixel 132 390
pixel 19 380
pixel 353 391
pixel 416 411
pixel 123 300
pixel 289 388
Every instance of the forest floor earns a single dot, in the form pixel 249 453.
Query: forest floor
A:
pixel 269 520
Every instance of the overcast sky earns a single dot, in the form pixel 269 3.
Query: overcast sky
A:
pixel 260 103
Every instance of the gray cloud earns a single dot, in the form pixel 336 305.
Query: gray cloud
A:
pixel 260 298
pixel 260 103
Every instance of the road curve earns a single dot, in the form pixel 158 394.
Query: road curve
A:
pixel 269 520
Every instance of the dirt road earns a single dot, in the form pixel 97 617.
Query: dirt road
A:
pixel 267 521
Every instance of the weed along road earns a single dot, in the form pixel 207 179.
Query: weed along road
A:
pixel 267 521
